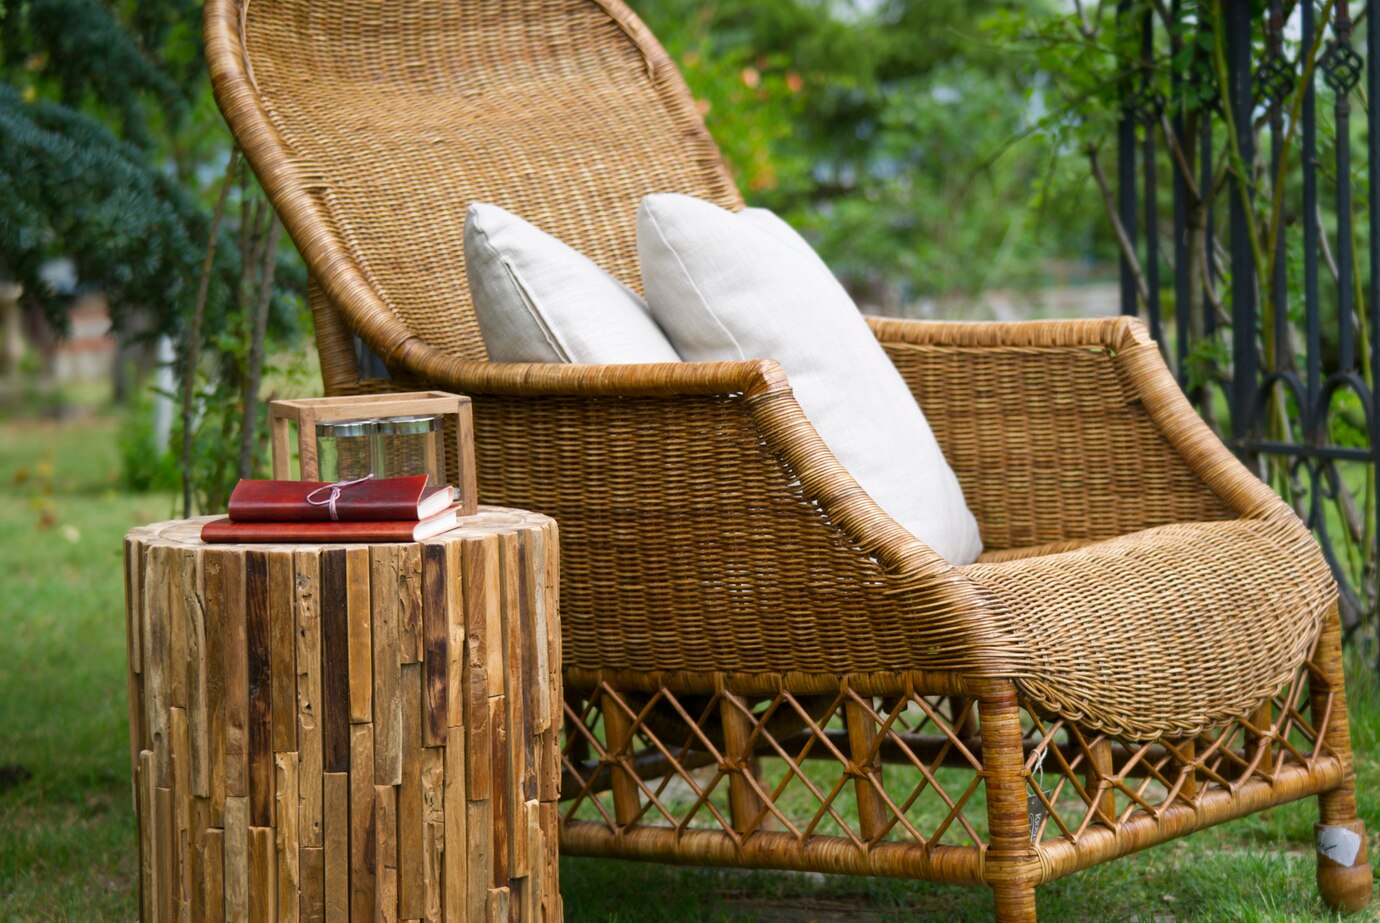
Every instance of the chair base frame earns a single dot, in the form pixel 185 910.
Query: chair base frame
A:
pixel 626 759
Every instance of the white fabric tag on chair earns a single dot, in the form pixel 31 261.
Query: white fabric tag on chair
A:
pixel 1339 844
pixel 1037 811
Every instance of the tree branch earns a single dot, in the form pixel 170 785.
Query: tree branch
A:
pixel 191 347
pixel 1123 239
pixel 255 362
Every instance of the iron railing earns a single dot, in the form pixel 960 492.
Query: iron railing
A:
pixel 1273 325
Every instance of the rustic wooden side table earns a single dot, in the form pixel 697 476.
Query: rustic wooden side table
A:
pixel 346 732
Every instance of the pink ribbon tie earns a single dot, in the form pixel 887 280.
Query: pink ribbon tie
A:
pixel 335 489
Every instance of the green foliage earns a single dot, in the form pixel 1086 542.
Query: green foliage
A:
pixel 145 465
pixel 71 188
pixel 110 146
pixel 882 130
pixel 133 64
pixel 90 93
pixel 109 141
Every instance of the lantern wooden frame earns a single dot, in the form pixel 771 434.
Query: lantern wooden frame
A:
pixel 307 412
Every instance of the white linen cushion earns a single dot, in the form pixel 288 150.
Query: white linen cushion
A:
pixel 539 300
pixel 727 286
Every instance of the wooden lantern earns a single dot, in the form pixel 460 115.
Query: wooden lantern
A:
pixel 307 412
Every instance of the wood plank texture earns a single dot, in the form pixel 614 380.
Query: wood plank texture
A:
pixel 436 574
pixel 363 833
pixel 236 844
pixel 263 871
pixel 480 858
pixel 411 636
pixel 170 572
pixel 327 733
pixel 335 663
pixel 286 837
pixel 455 858
pixel 214 873
pixel 335 861
pixel 194 614
pixel 311 871
pixel 234 648
pixel 157 643
pixel 483 654
pixel 134 569
pixel 181 804
pixel 213 581
pixel 307 591
pixel 519 775
pixel 432 833
pixel 386 853
pixel 361 654
pixel 260 674
pixel 144 790
pixel 283 648
pixel 411 886
pixel 386 607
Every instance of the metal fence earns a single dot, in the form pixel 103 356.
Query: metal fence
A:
pixel 1259 117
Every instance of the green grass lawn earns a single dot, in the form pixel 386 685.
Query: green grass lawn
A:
pixel 67 842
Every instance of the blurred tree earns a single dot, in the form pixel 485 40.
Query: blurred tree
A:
pixel 882 129
pixel 111 154
pixel 91 96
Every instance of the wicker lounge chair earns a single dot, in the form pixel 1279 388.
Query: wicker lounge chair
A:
pixel 763 669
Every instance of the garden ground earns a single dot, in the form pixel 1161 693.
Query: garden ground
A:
pixel 67 834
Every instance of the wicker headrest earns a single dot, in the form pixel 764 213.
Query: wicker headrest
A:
pixel 394 117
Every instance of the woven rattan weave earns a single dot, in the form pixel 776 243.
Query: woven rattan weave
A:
pixel 762 668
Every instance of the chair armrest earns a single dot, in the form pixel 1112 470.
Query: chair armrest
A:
pixel 706 527
pixel 757 389
pixel 1068 430
pixel 684 404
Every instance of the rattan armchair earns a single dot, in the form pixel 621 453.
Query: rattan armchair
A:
pixel 762 668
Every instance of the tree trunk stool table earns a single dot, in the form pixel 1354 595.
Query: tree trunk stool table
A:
pixel 346 732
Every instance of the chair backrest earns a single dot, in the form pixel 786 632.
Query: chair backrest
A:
pixel 373 126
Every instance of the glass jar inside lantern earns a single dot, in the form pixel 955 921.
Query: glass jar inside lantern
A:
pixel 408 446
pixel 345 449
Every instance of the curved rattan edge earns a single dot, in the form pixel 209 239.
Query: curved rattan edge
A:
pixel 334 343
pixel 1168 407
pixel 1113 333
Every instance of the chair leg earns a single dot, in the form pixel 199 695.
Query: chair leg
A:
pixel 1015 904
pixel 1344 876
pixel 1011 866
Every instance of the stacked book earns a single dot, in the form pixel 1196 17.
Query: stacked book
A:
pixel 364 510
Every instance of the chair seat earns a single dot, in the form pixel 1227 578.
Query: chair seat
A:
pixel 1165 631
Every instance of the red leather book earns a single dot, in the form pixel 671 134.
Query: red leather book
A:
pixel 373 500
pixel 223 531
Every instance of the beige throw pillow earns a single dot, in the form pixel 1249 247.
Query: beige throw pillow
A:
pixel 539 300
pixel 726 286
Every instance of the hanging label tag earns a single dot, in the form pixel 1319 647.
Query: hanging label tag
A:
pixel 1339 844
pixel 1036 809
